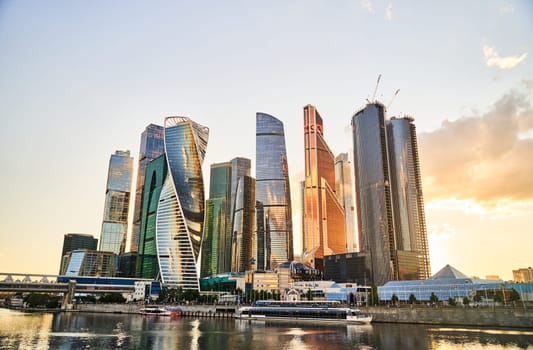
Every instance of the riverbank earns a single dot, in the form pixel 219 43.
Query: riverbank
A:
pixel 446 316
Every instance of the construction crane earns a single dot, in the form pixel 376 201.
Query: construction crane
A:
pixel 376 88
pixel 392 98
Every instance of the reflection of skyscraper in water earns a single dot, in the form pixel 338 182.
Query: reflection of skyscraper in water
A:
pixel 152 146
pixel 273 203
pixel 180 213
pixel 323 215
pixel 390 209
pixel 117 201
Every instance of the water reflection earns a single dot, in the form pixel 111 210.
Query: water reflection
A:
pixel 116 331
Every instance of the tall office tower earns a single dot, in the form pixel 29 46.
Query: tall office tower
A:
pixel 147 261
pixel 345 194
pixel 117 203
pixel 323 216
pixel 243 225
pixel 272 192
pixel 408 201
pixel 390 208
pixel 180 213
pixel 372 184
pixel 74 241
pixel 152 146
pixel 216 243
pixel 225 228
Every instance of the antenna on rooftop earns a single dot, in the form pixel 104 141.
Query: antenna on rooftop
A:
pixel 392 98
pixel 376 88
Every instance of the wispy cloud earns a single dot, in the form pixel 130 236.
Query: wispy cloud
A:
pixel 367 5
pixel 441 232
pixel 481 157
pixel 493 59
pixel 388 11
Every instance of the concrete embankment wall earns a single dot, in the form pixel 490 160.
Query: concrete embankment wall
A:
pixel 487 317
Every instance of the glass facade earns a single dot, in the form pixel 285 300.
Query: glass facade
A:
pixel 345 194
pixel 152 146
pixel 228 209
pixel 74 241
pixel 390 205
pixel 116 208
pixel 323 215
pixel 91 263
pixel 272 191
pixel 242 242
pixel 409 215
pixel 147 261
pixel 180 213
pixel 374 208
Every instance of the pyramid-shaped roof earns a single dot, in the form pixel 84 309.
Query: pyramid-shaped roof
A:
pixel 448 272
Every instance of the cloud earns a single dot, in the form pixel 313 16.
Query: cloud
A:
pixel 493 59
pixel 482 157
pixel 367 5
pixel 388 11
pixel 441 232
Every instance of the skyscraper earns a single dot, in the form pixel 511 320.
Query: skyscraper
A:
pixel 323 215
pixel 152 146
pixel 180 213
pixel 390 208
pixel 243 225
pixel 117 203
pixel 272 191
pixel 408 201
pixel 345 194
pixel 147 261
pixel 227 211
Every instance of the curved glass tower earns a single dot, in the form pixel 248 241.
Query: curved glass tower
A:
pixel 180 213
pixel 272 191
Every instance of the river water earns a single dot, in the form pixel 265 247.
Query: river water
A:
pixel 123 331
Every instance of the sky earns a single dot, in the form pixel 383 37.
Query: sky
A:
pixel 79 80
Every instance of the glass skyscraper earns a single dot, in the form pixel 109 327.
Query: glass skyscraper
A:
pixel 152 146
pixel 407 199
pixel 117 203
pixel 147 261
pixel 389 200
pixel 74 241
pixel 229 218
pixel 180 213
pixel 345 194
pixel 323 215
pixel 272 192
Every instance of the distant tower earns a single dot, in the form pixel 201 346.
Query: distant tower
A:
pixel 147 260
pixel 180 213
pixel 345 194
pixel 390 206
pixel 117 203
pixel 323 216
pixel 152 146
pixel 272 190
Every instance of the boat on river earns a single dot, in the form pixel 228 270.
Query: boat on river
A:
pixel 160 311
pixel 302 311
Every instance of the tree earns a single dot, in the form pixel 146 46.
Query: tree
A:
pixel 433 298
pixel 309 294
pixel 374 296
pixel 477 297
pixel 498 297
pixel 412 299
pixel 466 301
pixel 112 298
pixel 451 301
pixel 514 296
pixel 394 299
